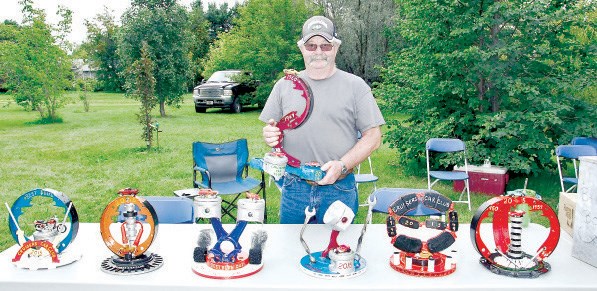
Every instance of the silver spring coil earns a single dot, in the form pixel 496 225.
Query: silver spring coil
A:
pixel 515 247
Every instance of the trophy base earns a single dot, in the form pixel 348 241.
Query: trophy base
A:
pixel 45 262
pixel 219 270
pixel 535 270
pixel 142 264
pixel 435 266
pixel 321 267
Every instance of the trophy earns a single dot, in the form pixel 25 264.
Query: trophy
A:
pixel 45 247
pixel 226 258
pixel 336 261
pixel 128 226
pixel 416 255
pixel 506 254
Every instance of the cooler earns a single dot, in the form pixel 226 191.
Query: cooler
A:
pixel 486 179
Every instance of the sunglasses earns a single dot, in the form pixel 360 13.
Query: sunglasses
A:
pixel 326 47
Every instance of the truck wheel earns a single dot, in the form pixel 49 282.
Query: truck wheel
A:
pixel 236 107
pixel 200 109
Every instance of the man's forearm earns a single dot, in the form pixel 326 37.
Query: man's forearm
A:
pixel 369 142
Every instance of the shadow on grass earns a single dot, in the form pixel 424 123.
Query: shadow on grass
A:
pixel 46 120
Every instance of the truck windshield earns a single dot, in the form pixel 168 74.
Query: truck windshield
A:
pixel 222 76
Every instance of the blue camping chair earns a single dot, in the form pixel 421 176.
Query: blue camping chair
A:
pixel 572 152
pixel 452 146
pixel 223 167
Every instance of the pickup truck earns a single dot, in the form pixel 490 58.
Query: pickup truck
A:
pixel 223 90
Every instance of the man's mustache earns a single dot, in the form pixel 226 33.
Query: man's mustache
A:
pixel 318 58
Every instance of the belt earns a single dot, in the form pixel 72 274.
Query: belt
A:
pixel 342 176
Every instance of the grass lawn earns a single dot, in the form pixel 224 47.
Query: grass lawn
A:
pixel 91 155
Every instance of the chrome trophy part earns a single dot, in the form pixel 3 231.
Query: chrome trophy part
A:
pixel 207 204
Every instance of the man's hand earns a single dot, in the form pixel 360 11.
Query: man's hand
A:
pixel 332 169
pixel 271 133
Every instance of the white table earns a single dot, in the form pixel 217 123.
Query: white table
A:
pixel 281 271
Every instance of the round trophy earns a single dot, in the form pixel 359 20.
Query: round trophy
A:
pixel 337 260
pixel 507 254
pixel 53 226
pixel 421 246
pixel 128 226
pixel 226 258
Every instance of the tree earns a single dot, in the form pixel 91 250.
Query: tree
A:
pixel 163 26
pixel 101 45
pixel 220 18
pixel 362 26
pixel 500 75
pixel 144 91
pixel 200 40
pixel 264 42
pixel 37 71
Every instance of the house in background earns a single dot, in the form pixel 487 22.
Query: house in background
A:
pixel 81 69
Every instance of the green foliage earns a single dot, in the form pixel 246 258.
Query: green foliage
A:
pixel 500 75
pixel 36 70
pixel 84 86
pixel 220 18
pixel 101 46
pixel 361 25
pixel 263 42
pixel 163 26
pixel 200 40
pixel 142 70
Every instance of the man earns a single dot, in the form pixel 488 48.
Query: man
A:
pixel 343 107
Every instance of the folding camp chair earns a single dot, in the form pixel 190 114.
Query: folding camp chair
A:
pixel 451 146
pixel 366 177
pixel 224 168
pixel 571 152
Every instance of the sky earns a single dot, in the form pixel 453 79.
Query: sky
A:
pixel 82 10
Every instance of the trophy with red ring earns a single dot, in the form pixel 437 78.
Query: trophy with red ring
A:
pixel 417 256
pixel 46 247
pixel 336 261
pixel 278 162
pixel 226 258
pixel 135 224
pixel 509 257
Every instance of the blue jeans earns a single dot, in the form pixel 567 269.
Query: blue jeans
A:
pixel 297 194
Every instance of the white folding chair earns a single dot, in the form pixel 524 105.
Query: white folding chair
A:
pixel 366 177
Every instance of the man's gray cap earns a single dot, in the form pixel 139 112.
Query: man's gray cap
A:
pixel 318 25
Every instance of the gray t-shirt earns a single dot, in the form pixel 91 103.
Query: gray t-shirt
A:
pixel 343 105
